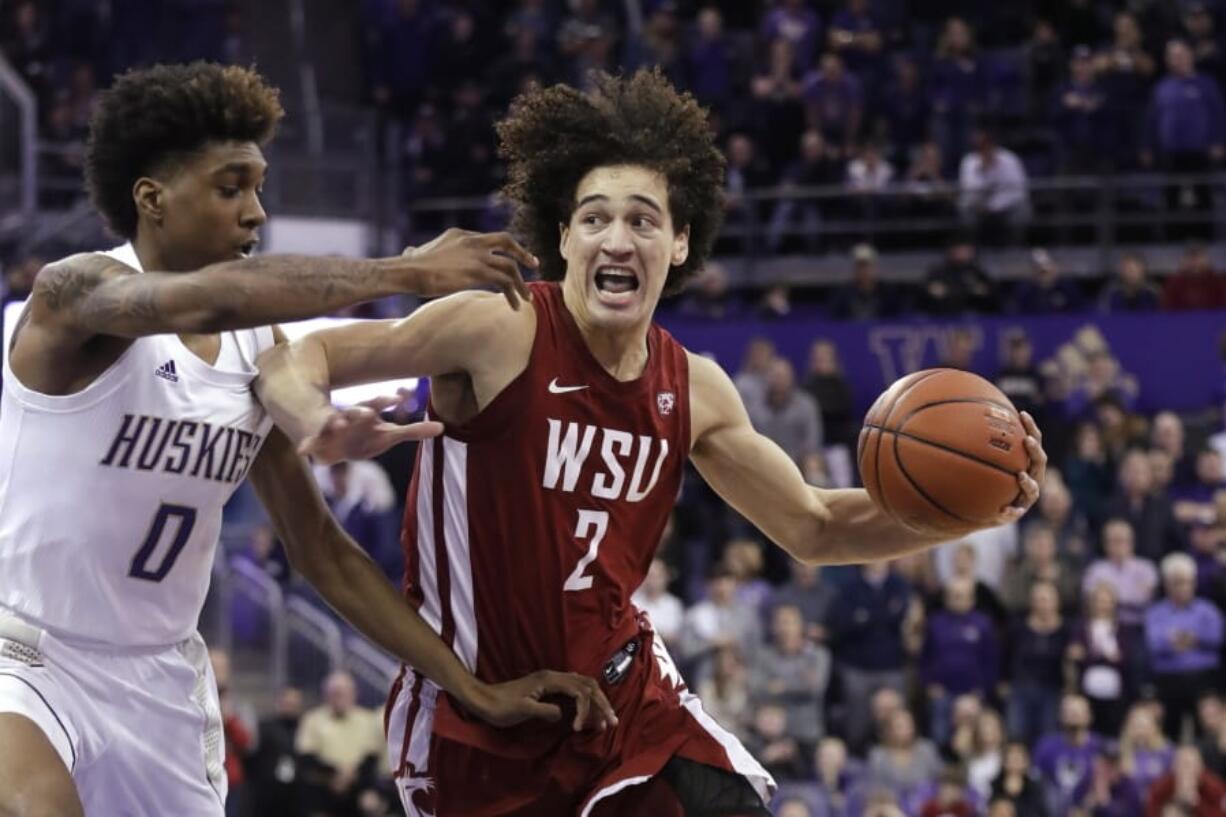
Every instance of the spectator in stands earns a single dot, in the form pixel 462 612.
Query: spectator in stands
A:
pixel 1132 579
pixel 710 62
pixel 1197 791
pixel 725 692
pixel 834 102
pixel 1195 284
pixel 1167 434
pixel 29 46
pixel 1066 522
pixel 1035 667
pixel 769 742
pixel 1102 378
pixel 273 767
pixel 717 622
pixel 342 746
pixel 856 37
pixel 1048 291
pixel 865 297
pixel 987 755
pixel 1080 115
pixel 238 724
pixel 460 55
pixel 1213 749
pixel 588 23
pixel 1194 500
pixel 360 496
pixel 658 45
pixel 827 385
pixel 819 165
pixel 868 174
pixel 961 654
pixel 1144 751
pixel 959 284
pixel 1089 474
pixel 1203 41
pixel 882 803
pixel 994 190
pixel 1039 563
pixel 906 110
pixel 793 673
pixel 1151 515
pixel 866 636
pixel 795 22
pixel 980 560
pixel 961 743
pixel 746 173
pixel 838 779
pixel 1064 759
pixel 929 193
pixel 665 610
pixel 1184 637
pixel 903 761
pixel 1131 291
pixel 1186 131
pixel 794 807
pixel 1107 791
pixel 1019 378
pixel 404 56
pixel 1205 548
pixel 1125 69
pixel 743 555
pixel 709 296
pixel 807 592
pixel 1103 656
pixel 777 101
pixel 789 417
pixel 958 351
pixel 950 799
pixel 955 87
pixel 1016 784
pixel 525 63
pixel 751 380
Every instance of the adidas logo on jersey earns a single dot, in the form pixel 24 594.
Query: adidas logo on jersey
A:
pixel 168 371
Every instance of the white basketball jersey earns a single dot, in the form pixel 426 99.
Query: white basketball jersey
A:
pixel 111 498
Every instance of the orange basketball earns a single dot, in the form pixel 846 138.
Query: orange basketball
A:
pixel 941 449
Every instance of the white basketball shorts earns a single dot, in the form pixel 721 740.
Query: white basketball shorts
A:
pixel 140 731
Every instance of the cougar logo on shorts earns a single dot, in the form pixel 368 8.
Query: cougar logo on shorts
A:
pixel 417 794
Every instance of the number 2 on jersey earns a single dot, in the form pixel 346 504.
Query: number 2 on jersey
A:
pixel 593 524
pixel 140 562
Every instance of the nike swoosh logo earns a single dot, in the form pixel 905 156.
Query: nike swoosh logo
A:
pixel 554 388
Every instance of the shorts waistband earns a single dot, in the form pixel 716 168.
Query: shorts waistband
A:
pixel 20 641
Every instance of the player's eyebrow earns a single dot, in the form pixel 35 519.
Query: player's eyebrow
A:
pixel 241 168
pixel 647 200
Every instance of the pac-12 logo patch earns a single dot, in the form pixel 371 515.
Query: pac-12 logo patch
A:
pixel 665 401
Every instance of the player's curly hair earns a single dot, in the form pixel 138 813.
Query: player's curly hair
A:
pixel 553 137
pixel 151 118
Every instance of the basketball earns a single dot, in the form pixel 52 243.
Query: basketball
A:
pixel 941 449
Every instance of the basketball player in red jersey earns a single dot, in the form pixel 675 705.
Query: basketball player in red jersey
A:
pixel 536 514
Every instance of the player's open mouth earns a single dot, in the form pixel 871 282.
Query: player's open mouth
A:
pixel 245 250
pixel 616 280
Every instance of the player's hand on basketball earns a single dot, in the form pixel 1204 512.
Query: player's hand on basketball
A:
pixel 360 432
pixel 462 259
pixel 523 699
pixel 1028 481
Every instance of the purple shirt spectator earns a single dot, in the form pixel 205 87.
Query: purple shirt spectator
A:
pixel 1064 764
pixel 405 53
pixel 709 61
pixel 1150 764
pixel 834 101
pixel 1185 115
pixel 1124 799
pixel 960 653
pixel 1163 624
pixel 799 25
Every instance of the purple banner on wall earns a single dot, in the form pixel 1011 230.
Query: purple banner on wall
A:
pixel 1174 356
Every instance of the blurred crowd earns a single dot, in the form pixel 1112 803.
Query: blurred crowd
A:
pixel 935 110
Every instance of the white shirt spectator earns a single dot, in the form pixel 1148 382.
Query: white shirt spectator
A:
pixel 368 486
pixel 869 176
pixel 998 187
pixel 994 550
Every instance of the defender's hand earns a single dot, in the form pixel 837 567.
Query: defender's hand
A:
pixel 520 700
pixel 461 259
pixel 360 433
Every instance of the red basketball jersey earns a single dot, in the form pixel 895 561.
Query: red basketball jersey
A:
pixel 527 528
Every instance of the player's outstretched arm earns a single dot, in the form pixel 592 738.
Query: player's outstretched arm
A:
pixel 814 525
pixel 469 332
pixel 93 294
pixel 355 587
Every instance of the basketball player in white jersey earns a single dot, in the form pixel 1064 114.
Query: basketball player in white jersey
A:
pixel 127 420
